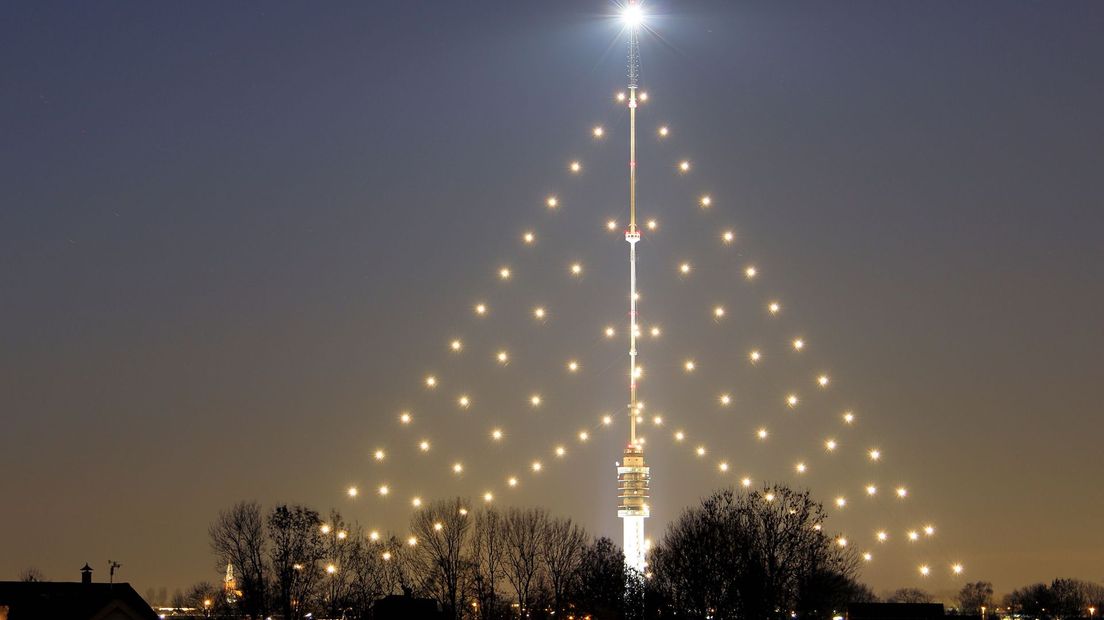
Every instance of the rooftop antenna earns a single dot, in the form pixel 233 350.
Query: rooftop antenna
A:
pixel 112 564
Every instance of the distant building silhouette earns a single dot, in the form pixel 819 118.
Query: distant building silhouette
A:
pixel 895 611
pixel 49 600
pixel 395 607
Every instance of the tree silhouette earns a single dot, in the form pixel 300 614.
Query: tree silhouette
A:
pixel 294 553
pixel 759 554
pixel 909 595
pixel 442 530
pixel 562 552
pixel 975 595
pixel 524 535
pixel 238 538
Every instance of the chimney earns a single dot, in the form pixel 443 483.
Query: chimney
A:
pixel 86 574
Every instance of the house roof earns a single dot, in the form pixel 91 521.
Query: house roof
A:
pixel 79 601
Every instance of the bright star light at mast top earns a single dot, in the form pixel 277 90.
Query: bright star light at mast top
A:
pixel 633 15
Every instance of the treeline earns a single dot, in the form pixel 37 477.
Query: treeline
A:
pixel 758 554
pixel 474 562
pixel 1061 598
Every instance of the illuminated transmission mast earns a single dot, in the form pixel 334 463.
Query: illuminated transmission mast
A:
pixel 633 475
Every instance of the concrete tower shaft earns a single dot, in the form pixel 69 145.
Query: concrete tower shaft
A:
pixel 633 475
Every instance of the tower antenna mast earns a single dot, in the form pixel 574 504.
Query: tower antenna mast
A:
pixel 633 475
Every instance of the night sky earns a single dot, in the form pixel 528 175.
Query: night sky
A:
pixel 235 238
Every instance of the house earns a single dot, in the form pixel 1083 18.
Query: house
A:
pixel 84 600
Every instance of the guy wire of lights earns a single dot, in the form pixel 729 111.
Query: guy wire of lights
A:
pixel 910 535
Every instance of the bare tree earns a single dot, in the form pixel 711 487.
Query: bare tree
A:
pixel 909 595
pixel 399 574
pixel 562 552
pixel 603 580
pixel 1094 595
pixel 1067 598
pixel 524 535
pixel 238 538
pixel 1029 600
pixel 487 557
pixel 205 597
pixel 296 549
pixel 442 530
pixel 367 572
pixel 747 555
pixel 975 595
pixel 337 549
pixel 31 574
